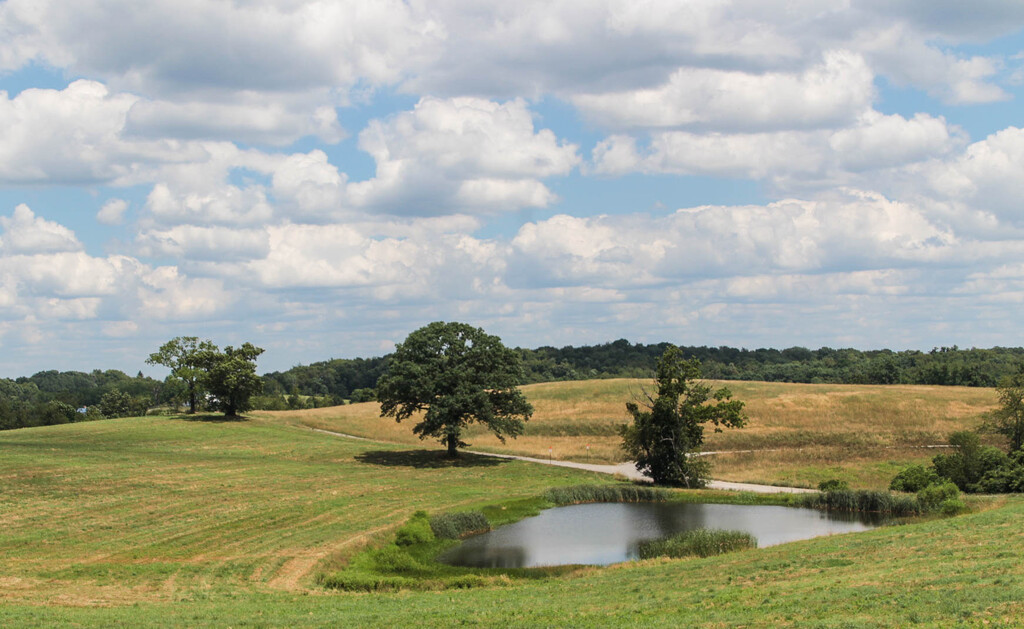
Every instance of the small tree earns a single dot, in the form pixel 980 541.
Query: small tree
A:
pixel 1008 419
pixel 458 374
pixel 184 355
pixel 231 377
pixel 668 428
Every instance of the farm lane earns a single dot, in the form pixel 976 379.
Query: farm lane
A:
pixel 627 469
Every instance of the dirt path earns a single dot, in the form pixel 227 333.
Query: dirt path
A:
pixel 627 469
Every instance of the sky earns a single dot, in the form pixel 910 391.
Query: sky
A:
pixel 322 178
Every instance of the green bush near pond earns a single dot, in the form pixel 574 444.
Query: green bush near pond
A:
pixel 698 543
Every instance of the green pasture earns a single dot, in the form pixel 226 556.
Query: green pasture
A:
pixel 167 522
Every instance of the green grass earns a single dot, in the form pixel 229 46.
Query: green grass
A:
pixel 164 522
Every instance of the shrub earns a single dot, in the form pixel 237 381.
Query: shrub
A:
pixel 416 531
pixel 833 484
pixel 699 543
pixel 952 506
pixel 913 479
pixel 391 559
pixel 458 525
pixel 931 498
pixel 970 461
pixel 579 494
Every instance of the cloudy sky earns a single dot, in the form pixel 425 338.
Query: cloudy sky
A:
pixel 321 178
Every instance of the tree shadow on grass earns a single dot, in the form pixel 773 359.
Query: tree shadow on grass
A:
pixel 426 459
pixel 214 418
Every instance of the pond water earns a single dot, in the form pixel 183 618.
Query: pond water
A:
pixel 604 533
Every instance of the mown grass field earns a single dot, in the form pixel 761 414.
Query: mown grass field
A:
pixel 802 433
pixel 165 522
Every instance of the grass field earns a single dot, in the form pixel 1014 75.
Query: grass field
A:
pixel 804 433
pixel 162 521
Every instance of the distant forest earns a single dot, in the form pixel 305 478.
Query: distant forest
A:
pixel 52 397
pixel 347 379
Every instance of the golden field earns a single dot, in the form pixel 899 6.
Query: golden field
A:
pixel 800 434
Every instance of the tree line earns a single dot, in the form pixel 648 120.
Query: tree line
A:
pixel 337 380
pixel 202 377
pixel 50 397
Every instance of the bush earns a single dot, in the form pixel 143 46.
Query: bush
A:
pixel 697 543
pixel 579 494
pixel 913 479
pixel 416 531
pixel 952 507
pixel 391 559
pixel 931 498
pixel 458 525
pixel 833 484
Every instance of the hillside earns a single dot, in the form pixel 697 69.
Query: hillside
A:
pixel 802 433
pixel 169 521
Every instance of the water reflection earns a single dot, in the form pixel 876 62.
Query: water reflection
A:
pixel 605 533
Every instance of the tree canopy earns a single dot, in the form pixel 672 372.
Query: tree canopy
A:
pixel 1008 419
pixel 183 355
pixel 456 374
pixel 231 377
pixel 668 427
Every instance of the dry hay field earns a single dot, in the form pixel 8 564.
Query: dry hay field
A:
pixel 798 434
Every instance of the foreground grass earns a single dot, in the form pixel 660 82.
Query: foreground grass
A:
pixel 155 508
pixel 164 522
pixel 803 433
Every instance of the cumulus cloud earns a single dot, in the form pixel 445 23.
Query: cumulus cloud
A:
pixel 460 154
pixel 854 231
pixel 26 233
pixel 988 176
pixel 872 142
pixel 112 212
pixel 829 94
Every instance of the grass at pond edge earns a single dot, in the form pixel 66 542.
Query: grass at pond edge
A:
pixel 409 562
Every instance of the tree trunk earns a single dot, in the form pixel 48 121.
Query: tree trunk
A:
pixel 191 400
pixel 453 446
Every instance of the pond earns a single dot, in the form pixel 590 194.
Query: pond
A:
pixel 605 533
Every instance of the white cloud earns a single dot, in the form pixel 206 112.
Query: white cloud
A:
pixel 24 232
pixel 829 94
pixel 460 154
pixel 192 242
pixel 852 231
pixel 112 212
pixel 249 117
pixel 988 176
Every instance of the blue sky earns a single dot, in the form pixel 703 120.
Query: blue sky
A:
pixel 322 178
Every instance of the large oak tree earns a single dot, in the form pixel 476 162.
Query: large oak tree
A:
pixel 454 374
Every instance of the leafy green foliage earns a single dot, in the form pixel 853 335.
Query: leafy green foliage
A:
pixel 833 484
pixel 457 374
pixel 231 377
pixel 416 531
pixel 697 543
pixel 184 356
pixel 669 429
pixel 913 479
pixel 1008 419
pixel 969 461
pixel 933 497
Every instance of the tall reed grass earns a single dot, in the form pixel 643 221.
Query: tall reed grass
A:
pixel 698 543
pixel 579 494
